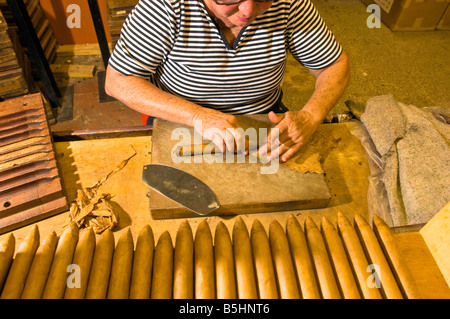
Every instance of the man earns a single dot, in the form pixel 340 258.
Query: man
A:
pixel 208 60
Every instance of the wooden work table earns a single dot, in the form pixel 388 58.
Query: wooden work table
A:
pixel 82 163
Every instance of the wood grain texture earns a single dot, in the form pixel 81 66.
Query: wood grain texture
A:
pixel 239 182
pixel 436 234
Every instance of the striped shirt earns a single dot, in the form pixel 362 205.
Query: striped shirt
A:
pixel 178 46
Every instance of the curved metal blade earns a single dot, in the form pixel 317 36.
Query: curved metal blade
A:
pixel 181 187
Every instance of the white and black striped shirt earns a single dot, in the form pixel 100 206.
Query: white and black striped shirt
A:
pixel 179 47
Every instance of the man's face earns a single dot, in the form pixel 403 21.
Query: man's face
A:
pixel 237 15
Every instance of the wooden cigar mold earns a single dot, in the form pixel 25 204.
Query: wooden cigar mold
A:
pixel 30 185
pixel 346 260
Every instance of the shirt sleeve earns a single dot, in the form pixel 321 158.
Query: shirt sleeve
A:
pixel 309 39
pixel 146 38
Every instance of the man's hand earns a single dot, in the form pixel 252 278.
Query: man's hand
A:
pixel 295 131
pixel 222 129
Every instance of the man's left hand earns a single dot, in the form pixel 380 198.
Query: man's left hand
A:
pixel 295 130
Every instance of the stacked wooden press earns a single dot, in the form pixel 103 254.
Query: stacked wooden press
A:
pixel 294 261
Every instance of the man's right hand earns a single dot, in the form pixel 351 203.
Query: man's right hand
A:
pixel 221 128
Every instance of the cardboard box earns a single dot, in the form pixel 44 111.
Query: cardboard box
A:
pixel 410 15
pixel 444 24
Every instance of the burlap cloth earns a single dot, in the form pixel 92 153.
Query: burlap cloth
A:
pixel 413 149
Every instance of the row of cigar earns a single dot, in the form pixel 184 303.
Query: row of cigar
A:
pixel 292 262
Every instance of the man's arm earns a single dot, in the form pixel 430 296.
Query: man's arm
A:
pixel 297 128
pixel 144 97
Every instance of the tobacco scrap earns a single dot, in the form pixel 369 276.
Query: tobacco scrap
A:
pixel 91 208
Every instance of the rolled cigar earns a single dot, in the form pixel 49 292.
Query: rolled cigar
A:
pixel 324 269
pixel 162 277
pixel 7 248
pixel 358 260
pixel 265 273
pixel 336 250
pixel 224 262
pixel 389 287
pixel 193 149
pixel 183 263
pixel 40 268
pixel 56 281
pixel 83 259
pixel 401 271
pixel 242 250
pixel 119 283
pixel 204 263
pixel 97 287
pixel 282 259
pixel 199 149
pixel 21 265
pixel 302 259
pixel 141 276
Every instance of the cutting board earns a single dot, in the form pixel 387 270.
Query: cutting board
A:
pixel 240 184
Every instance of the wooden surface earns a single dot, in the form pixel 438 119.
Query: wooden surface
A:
pixel 424 270
pixel 198 258
pixel 248 186
pixel 436 234
pixel 85 162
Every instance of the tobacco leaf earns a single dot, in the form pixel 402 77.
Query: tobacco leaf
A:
pixel 91 208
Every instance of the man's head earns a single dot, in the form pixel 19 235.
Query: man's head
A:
pixel 237 13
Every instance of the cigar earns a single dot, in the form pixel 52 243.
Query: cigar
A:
pixel 162 278
pixel 119 283
pixel 245 275
pixel 21 265
pixel 101 266
pixel 84 253
pixel 224 263
pixel 302 260
pixel 265 272
pixel 358 260
pixel 199 149
pixel 376 257
pixel 40 268
pixel 141 275
pixel 324 269
pixel 281 256
pixel 205 287
pixel 183 264
pixel 340 262
pixel 56 282
pixel 394 257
